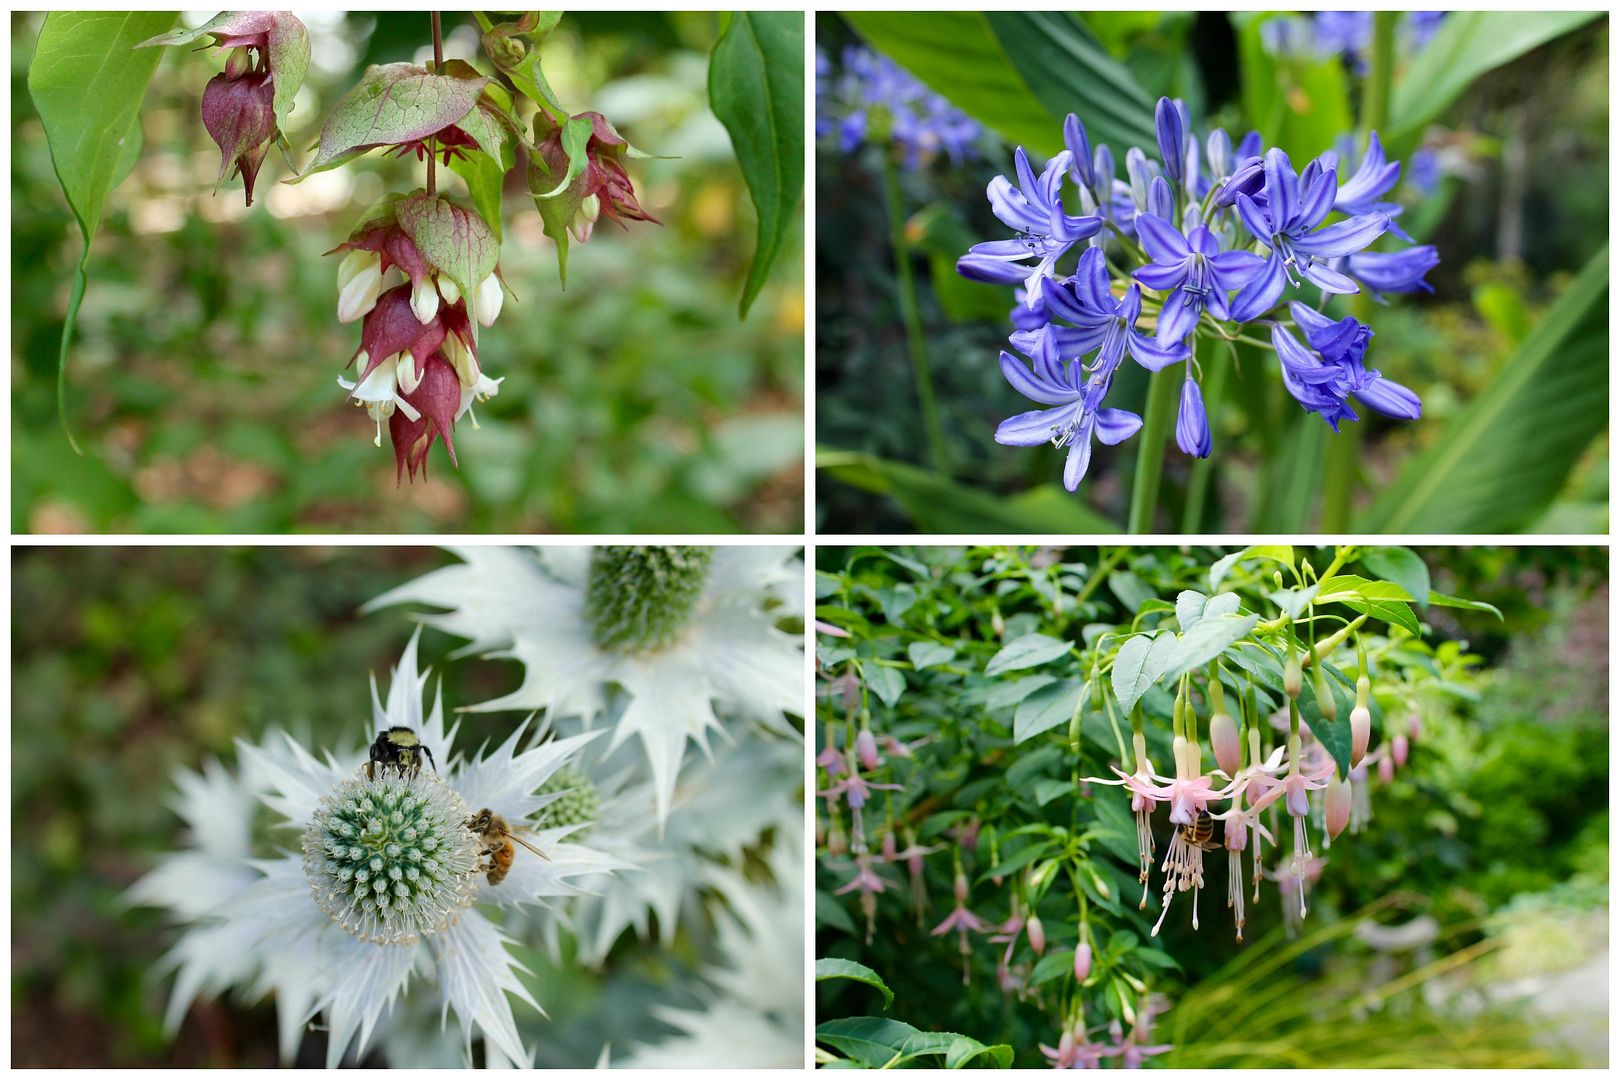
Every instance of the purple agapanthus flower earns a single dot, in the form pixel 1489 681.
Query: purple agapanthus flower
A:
pixel 1192 424
pixel 922 123
pixel 1194 270
pixel 1375 175
pixel 1323 382
pixel 1034 210
pixel 1394 271
pixel 1287 223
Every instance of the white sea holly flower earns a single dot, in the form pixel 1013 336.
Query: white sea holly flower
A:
pixel 309 922
pixel 755 1016
pixel 667 644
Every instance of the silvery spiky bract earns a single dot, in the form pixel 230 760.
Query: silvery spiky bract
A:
pixel 251 919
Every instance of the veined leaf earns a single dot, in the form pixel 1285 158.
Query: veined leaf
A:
pixel 1030 650
pixel 830 968
pixel 1442 600
pixel 1139 664
pixel 392 103
pixel 1047 708
pixel 1502 460
pixel 1402 566
pixel 1208 638
pixel 87 79
pixel 756 89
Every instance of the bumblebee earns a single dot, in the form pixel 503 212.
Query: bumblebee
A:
pixel 499 841
pixel 1201 833
pixel 400 748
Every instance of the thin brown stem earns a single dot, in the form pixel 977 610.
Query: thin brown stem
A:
pixel 438 68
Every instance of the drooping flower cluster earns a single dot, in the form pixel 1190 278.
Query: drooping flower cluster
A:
pixel 869 97
pixel 243 107
pixel 1190 247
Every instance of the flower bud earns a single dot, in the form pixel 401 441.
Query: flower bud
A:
pixel 1401 747
pixel 890 847
pixel 487 303
pixel 1337 806
pixel 1082 961
pixel 406 374
pixel 866 749
pixel 462 359
pixel 424 300
pixel 449 289
pixel 584 223
pixel 359 283
pixel 1360 732
pixel 1414 725
pixel 238 62
pixel 1226 742
pixel 961 888
pixel 1037 935
pixel 1326 703
pixel 1386 769
pixel 1293 679
pixel 240 117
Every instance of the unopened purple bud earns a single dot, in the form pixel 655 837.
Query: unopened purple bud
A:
pixel 1192 425
pixel 1037 935
pixel 1082 961
pixel 1219 148
pixel 866 748
pixel 1074 138
pixel 1161 200
pixel 1168 124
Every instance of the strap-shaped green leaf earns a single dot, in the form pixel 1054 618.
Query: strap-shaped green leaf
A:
pixel 1502 460
pixel 756 89
pixel 87 80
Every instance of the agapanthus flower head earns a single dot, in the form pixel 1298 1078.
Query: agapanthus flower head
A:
pixel 872 95
pixel 1034 210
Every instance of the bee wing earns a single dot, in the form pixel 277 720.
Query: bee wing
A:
pixel 525 843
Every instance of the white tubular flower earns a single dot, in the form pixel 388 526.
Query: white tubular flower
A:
pixel 666 644
pixel 462 358
pixel 481 390
pixel 380 391
pixel 424 300
pixel 486 305
pixel 449 289
pixel 376 907
pixel 359 284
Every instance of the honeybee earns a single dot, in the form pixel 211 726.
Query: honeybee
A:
pixel 498 839
pixel 399 747
pixel 1201 833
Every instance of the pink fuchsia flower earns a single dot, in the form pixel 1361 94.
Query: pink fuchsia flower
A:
pixel 854 788
pixel 1076 1050
pixel 1402 746
pixel 1336 807
pixel 866 749
pixel 1414 726
pixel 962 921
pixel 830 760
pixel 1140 785
pixel 1294 788
pixel 1082 958
pixel 1135 1049
pixel 1227 743
pixel 1386 768
pixel 1037 935
pixel 966 835
pixel 868 883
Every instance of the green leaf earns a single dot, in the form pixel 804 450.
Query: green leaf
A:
pixel 1208 638
pixel 1335 736
pixel 756 89
pixel 830 912
pixel 1046 789
pixel 1138 665
pixel 1442 600
pixel 1018 73
pixel 392 103
pixel 926 654
pixel 87 80
pixel 1005 695
pixel 828 968
pixel 1502 460
pixel 872 1040
pixel 1047 708
pixel 1027 651
pixel 1054 965
pixel 1281 553
pixel 1403 566
pixel 1191 606
pixel 1378 599
pixel 576 136
pixel 887 683
pixel 936 504
pixel 485 179
pixel 1467 45
pixel 455 240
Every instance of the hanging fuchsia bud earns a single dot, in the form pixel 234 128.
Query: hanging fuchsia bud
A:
pixel 1226 742
pixel 1386 769
pixel 1401 747
pixel 890 846
pixel 866 749
pixel 961 888
pixel 1414 725
pixel 1360 722
pixel 1336 805
pixel 1326 703
pixel 1293 678
pixel 837 842
pixel 1082 960
pixel 1037 934
pixel 240 117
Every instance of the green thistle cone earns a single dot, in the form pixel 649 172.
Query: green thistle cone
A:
pixel 639 599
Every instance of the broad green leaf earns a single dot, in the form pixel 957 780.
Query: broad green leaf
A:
pixel 1442 600
pixel 1404 567
pixel 887 683
pixel 485 179
pixel 1334 736
pixel 1004 695
pixel 576 137
pixel 87 79
pixel 926 654
pixel 872 1040
pixel 392 103
pixel 1192 606
pixel 1209 637
pixel 1027 651
pixel 829 968
pixel 756 89
pixel 830 912
pixel 937 504
pixel 1138 665
pixel 1018 73
pixel 1281 553
pixel 1047 708
pixel 1383 600
pixel 455 240
pixel 1502 459
pixel 1467 45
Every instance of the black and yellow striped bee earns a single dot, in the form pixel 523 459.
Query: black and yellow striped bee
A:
pixel 1201 833
pixel 399 747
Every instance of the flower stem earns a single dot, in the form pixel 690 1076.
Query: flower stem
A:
pixel 906 289
pixel 438 69
pixel 1160 415
pixel 1198 486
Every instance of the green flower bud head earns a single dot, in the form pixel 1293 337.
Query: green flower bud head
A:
pixel 639 599
pixel 578 804
pixel 390 859
pixel 1326 703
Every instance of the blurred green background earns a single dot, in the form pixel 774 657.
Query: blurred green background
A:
pixel 1522 207
pixel 204 364
pixel 128 663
